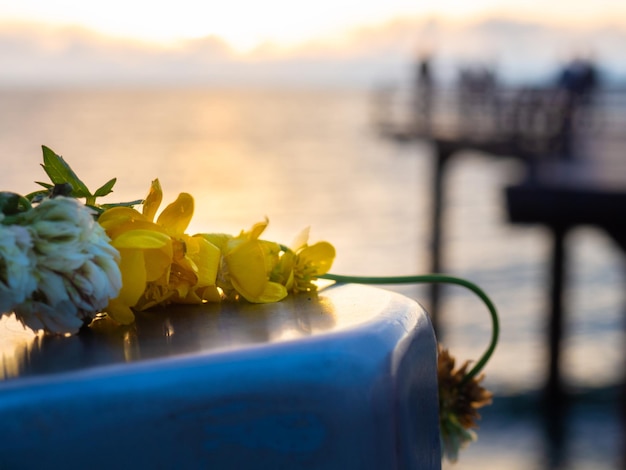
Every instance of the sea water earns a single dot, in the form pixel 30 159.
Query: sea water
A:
pixel 314 158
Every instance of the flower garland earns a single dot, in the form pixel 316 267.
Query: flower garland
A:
pixel 63 263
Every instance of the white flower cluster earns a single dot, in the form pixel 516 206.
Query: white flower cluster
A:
pixel 57 268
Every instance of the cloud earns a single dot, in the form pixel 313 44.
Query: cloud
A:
pixel 519 50
pixel 32 54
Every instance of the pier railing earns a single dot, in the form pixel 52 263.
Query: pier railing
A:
pixel 573 150
pixel 534 121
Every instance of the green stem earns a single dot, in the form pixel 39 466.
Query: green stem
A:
pixel 443 279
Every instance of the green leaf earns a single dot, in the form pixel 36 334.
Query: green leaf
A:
pixel 37 195
pixel 45 185
pixel 122 204
pixel 60 172
pixel 106 188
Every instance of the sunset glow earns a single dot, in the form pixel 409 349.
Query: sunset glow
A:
pixel 281 42
pixel 245 24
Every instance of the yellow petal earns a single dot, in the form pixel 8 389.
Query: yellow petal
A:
pixel 283 272
pixel 118 215
pixel 201 295
pixel 246 266
pixel 273 292
pixel 156 249
pixel 220 240
pixel 320 256
pixel 257 229
pixel 133 271
pixel 271 250
pixel 290 281
pixel 114 231
pixel 120 313
pixel 206 256
pixel 176 217
pixel 157 263
pixel 210 294
pixel 142 239
pixel 301 239
pixel 153 200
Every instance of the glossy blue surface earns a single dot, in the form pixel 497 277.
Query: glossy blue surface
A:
pixel 346 379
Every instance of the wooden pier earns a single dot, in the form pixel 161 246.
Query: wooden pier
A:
pixel 575 172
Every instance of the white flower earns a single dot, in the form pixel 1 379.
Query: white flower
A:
pixel 50 309
pixel 60 228
pixel 17 280
pixel 77 268
pixel 58 319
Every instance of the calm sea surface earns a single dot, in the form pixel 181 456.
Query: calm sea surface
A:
pixel 311 157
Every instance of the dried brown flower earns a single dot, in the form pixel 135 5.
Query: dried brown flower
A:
pixel 459 401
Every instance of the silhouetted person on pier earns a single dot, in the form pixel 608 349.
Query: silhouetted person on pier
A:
pixel 577 82
pixel 476 89
pixel 423 90
pixel 579 78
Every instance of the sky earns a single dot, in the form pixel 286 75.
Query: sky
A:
pixel 125 40
pixel 247 23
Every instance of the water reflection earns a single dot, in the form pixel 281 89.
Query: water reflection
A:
pixel 17 343
pixel 186 329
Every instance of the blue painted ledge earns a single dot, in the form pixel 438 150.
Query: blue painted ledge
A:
pixel 346 379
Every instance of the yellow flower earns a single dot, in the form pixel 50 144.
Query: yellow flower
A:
pixel 246 264
pixel 303 264
pixel 160 263
pixel 195 260
pixel 146 255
